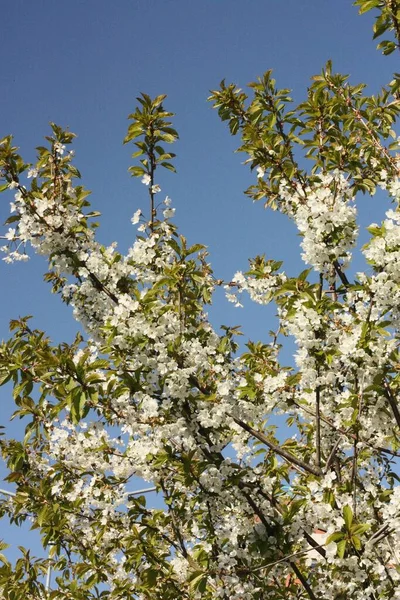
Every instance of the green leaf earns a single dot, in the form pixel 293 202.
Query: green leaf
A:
pixel 5 378
pixel 198 581
pixel 158 100
pixel 375 230
pixel 380 26
pixel 168 137
pixel 150 577
pixel 348 516
pixel 341 548
pixel 355 540
pixel 360 528
pixel 168 166
pixel 137 171
pixel 78 406
pixel 335 537
pixel 366 5
pixel 387 47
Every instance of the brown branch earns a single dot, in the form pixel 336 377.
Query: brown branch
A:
pixel 256 510
pixel 152 169
pixel 393 9
pixel 314 544
pixel 392 402
pixel 318 426
pixel 101 287
pixel 318 394
pixel 175 525
pixel 380 535
pixel 342 276
pixel 332 455
pixel 303 580
pixel 354 477
pixel 285 559
pixel 281 451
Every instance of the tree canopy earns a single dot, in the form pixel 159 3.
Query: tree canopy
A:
pixel 154 392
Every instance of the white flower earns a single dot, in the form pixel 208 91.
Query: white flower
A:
pixel 11 234
pixel 146 179
pixel 223 388
pixel 155 188
pixel 136 217
pixel 168 213
pixel 59 148
pixel 32 173
pixel 232 298
pixel 260 172
pixel 330 550
pixel 12 185
pixel 167 201
pixel 15 257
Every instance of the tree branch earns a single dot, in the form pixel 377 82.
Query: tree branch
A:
pixel 342 276
pixel 281 451
pixel 392 402
pixel 303 580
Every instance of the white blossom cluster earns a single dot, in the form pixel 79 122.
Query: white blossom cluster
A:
pixel 325 218
pixel 260 289
pixel 383 252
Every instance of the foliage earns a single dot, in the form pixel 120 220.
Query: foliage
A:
pixel 154 392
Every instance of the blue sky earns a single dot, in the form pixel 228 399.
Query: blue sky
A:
pixel 82 63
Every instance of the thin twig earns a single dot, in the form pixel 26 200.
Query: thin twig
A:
pixel 283 453
pixel 342 276
pixel 303 580
pixel 286 558
pixel 318 426
pixel 332 455
pixel 392 402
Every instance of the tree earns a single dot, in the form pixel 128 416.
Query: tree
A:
pixel 155 392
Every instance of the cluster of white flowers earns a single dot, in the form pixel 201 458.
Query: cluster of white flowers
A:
pixel 325 218
pixel 260 289
pixel 383 252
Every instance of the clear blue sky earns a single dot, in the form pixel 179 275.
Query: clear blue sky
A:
pixel 81 64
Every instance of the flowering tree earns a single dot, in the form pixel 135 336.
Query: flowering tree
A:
pixel 155 392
